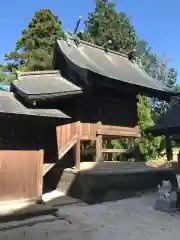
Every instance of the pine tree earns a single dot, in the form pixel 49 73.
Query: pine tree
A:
pixel 34 49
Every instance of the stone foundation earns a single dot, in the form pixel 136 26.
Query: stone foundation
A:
pixel 93 187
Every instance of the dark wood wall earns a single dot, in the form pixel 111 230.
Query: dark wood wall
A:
pixel 20 133
pixel 115 112
pixel 90 107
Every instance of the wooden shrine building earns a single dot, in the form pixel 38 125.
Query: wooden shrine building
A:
pixel 98 91
pixel 90 95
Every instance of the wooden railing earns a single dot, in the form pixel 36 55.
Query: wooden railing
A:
pixel 64 134
pixel 71 134
pixel 118 131
pixel 66 147
pixel 89 131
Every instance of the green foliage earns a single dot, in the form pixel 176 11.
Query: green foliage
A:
pixel 149 110
pixel 149 146
pixel 157 68
pixel 106 24
pixel 144 113
pixel 34 49
pixel 5 76
pixel 177 87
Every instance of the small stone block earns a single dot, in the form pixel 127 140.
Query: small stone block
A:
pixel 165 205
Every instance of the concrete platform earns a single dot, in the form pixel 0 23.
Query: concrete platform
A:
pixel 120 167
pixel 109 180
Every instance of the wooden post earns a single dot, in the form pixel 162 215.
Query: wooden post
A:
pixel 41 156
pixel 98 148
pixel 99 143
pixel 78 153
pixel 169 152
pixel 78 147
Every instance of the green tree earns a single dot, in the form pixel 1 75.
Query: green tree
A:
pixel 150 109
pixel 2 74
pixel 155 66
pixel 5 77
pixel 106 25
pixel 149 146
pixel 34 49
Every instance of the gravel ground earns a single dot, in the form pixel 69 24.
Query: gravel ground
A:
pixel 127 219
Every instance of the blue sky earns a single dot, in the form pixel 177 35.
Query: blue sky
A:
pixel 156 21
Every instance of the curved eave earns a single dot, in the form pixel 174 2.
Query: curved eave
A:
pixel 34 98
pixel 112 67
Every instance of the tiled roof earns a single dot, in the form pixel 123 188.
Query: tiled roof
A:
pixel 10 105
pixel 43 85
pixel 110 64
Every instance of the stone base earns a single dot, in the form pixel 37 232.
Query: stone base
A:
pixel 165 205
pixel 107 184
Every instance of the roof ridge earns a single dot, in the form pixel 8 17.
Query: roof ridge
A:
pixel 77 43
pixel 102 48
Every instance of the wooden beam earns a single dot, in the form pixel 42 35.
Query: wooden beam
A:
pixel 99 148
pixel 78 153
pixel 68 146
pixel 109 132
pixel 99 142
pixel 78 146
pixel 47 167
pixel 114 150
pixel 106 150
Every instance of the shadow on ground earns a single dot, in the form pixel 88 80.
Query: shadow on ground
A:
pixel 102 183
pixel 32 222
pixel 41 210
